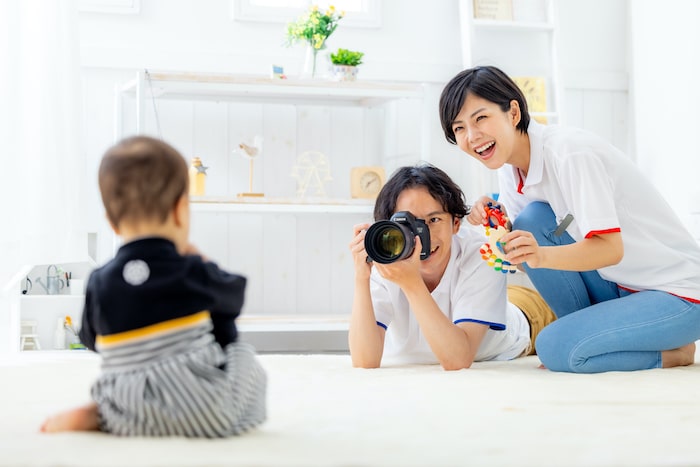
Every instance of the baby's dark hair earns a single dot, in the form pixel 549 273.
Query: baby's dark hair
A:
pixel 487 82
pixel 438 183
pixel 141 178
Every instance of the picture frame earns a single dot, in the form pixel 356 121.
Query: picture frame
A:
pixel 496 10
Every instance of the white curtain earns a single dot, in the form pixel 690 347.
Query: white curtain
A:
pixel 42 163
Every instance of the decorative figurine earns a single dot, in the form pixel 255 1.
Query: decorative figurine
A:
pixel 311 168
pixel 250 151
pixel 198 174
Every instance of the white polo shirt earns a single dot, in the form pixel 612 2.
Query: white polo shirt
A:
pixel 470 290
pixel 580 174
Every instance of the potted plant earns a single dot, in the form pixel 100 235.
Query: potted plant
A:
pixel 345 64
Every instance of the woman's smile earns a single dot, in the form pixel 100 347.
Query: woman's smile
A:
pixel 485 151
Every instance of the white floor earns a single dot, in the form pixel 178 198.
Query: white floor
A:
pixel 322 412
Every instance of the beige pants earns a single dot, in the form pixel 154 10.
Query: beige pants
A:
pixel 535 310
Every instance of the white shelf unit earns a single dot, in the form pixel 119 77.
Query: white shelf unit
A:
pixel 45 310
pixel 293 249
pixel 525 46
pixel 377 101
pixel 311 206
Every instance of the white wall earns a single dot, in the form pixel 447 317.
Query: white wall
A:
pixel 665 69
pixel 414 42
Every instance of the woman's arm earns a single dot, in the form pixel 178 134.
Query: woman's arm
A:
pixel 365 337
pixel 589 254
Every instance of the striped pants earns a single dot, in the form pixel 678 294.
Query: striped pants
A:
pixel 206 393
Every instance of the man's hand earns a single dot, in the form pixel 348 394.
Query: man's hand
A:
pixel 404 273
pixel 359 254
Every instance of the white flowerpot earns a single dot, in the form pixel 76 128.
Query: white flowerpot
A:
pixel 344 73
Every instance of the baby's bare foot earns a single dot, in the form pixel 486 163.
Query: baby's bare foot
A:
pixel 80 419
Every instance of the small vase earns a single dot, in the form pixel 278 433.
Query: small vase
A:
pixel 315 63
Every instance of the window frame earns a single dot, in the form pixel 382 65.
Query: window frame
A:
pixel 247 10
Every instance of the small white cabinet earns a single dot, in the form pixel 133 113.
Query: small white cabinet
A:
pixel 293 249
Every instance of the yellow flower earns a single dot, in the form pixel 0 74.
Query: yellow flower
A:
pixel 313 27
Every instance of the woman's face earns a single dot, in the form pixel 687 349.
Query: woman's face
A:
pixel 485 132
pixel 420 203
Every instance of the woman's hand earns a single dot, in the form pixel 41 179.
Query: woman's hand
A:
pixel 359 254
pixel 520 247
pixel 477 215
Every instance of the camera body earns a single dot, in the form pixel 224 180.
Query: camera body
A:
pixel 395 239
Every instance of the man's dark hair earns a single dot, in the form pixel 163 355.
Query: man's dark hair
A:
pixel 438 183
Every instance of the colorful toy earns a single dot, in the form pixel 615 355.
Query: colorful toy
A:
pixel 492 252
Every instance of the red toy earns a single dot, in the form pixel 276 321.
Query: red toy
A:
pixel 492 252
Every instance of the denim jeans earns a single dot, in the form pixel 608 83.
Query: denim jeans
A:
pixel 601 327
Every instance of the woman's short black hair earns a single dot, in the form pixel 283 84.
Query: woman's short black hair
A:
pixel 487 82
pixel 438 183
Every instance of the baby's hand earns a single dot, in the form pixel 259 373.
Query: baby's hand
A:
pixel 190 249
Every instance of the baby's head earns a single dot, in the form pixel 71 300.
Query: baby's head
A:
pixel 143 182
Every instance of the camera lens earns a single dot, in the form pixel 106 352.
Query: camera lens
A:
pixel 388 241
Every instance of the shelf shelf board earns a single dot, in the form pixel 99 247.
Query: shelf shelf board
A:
pixel 293 323
pixel 281 205
pixel 513 25
pixel 221 87
pixel 38 296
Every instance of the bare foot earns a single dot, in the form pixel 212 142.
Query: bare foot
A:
pixel 80 419
pixel 682 356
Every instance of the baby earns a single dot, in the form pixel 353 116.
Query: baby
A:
pixel 161 315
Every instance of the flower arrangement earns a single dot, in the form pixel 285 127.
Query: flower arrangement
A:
pixel 314 27
pixel 347 57
pixel 74 338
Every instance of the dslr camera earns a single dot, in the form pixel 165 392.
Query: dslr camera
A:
pixel 395 239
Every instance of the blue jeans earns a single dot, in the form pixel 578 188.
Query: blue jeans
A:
pixel 601 327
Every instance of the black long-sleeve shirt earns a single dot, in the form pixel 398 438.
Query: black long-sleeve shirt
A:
pixel 149 282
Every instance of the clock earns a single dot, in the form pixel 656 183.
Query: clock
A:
pixel 365 182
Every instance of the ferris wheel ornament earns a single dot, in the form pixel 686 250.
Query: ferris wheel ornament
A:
pixel 496 227
pixel 311 169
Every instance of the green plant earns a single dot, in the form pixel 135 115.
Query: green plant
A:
pixel 314 27
pixel 347 57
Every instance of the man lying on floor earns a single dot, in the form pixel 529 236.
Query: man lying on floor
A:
pixel 437 302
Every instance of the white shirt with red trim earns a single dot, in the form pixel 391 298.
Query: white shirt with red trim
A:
pixel 581 174
pixel 469 290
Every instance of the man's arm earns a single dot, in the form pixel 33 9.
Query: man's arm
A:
pixel 454 345
pixel 365 337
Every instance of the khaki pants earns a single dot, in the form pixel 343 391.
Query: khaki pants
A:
pixel 535 310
